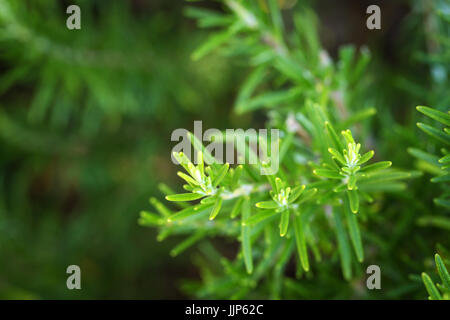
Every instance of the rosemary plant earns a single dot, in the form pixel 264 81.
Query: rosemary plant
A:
pixel 318 202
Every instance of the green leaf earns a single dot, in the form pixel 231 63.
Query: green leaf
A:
pixel 200 164
pixel 295 193
pixel 366 157
pixel 348 136
pixel 377 166
pixel 245 235
pixel 286 143
pixel 338 156
pixel 190 211
pixel 381 177
pixel 165 189
pixel 279 184
pixel 211 199
pixel 358 117
pixel 187 243
pixel 207 18
pixel 435 221
pixel 442 117
pixel 328 174
pixel 162 209
pixel 442 270
pixel 260 216
pixel 187 178
pixel 284 222
pixel 236 208
pixel 249 85
pixel 442 202
pixel 445 159
pixel 216 208
pixel 245 15
pixel 221 174
pixel 198 145
pixel 425 156
pixel 184 197
pixel 334 137
pixel 299 230
pixel 351 184
pixel 340 188
pixel 431 288
pixel 435 133
pixel 343 245
pixel 267 205
pixel 214 41
pixel 268 100
pixel 183 160
pixel 277 19
pixel 237 174
pixel 443 178
pixel 308 194
pixel 353 199
pixel 150 219
pixel 355 235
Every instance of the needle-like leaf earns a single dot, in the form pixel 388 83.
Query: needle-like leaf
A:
pixel 184 197
pixel 300 239
pixel 150 219
pixel 442 270
pixel 328 173
pixel 343 245
pixel 296 193
pixel 260 216
pixel 267 205
pixel 221 174
pixel 284 222
pixel 366 157
pixel 333 136
pixel 355 235
pixel 187 243
pixel 435 133
pixel 442 117
pixel 190 211
pixel 353 199
pixel 245 235
pixel 236 208
pixel 216 208
pixel 431 288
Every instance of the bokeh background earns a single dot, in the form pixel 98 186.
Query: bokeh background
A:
pixel 86 117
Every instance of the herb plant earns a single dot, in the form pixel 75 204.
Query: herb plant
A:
pixel 319 202
pixel 84 132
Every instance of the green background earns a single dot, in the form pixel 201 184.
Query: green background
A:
pixel 85 123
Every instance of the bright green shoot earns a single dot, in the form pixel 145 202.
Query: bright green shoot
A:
pixel 439 291
pixel 347 166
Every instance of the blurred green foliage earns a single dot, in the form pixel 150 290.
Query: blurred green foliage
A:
pixel 85 123
pixel 82 124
